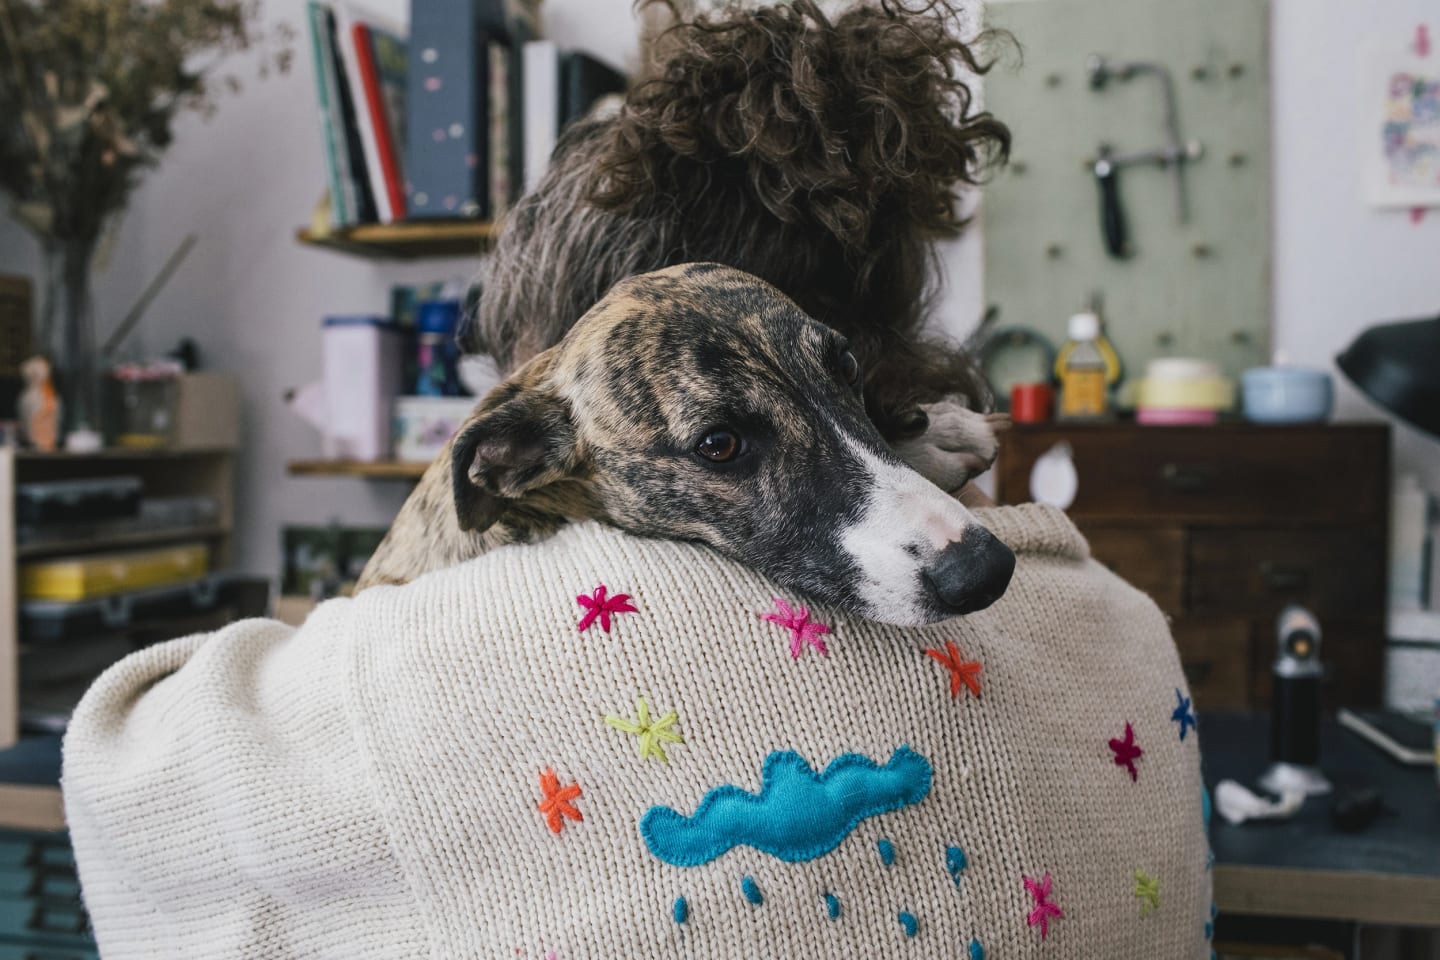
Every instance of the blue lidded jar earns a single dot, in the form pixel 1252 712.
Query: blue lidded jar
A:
pixel 438 356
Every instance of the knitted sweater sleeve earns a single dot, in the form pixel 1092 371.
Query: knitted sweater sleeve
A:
pixel 227 757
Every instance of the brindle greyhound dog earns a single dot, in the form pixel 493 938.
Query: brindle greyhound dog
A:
pixel 698 403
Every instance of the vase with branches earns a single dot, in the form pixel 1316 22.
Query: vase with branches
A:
pixel 89 94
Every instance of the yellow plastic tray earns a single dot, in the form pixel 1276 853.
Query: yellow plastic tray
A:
pixel 98 575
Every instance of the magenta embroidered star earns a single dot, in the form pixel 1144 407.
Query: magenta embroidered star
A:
pixel 599 607
pixel 1127 751
pixel 804 632
pixel 1044 909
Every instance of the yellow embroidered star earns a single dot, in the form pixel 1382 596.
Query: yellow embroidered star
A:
pixel 1147 888
pixel 651 733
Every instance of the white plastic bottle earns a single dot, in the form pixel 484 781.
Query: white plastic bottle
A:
pixel 1409 544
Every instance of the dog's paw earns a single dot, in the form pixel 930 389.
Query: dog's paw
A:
pixel 957 446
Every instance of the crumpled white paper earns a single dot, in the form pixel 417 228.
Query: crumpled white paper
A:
pixel 1237 804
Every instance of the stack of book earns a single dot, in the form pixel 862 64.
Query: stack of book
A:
pixel 453 121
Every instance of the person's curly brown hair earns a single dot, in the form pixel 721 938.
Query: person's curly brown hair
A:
pixel 823 155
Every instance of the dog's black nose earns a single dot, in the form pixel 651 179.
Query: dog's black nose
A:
pixel 971 573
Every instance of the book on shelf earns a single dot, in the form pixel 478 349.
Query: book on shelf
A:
pixel 353 29
pixel 541 71
pixel 498 89
pixel 466 103
pixel 336 118
pixel 560 87
pixel 380 56
pixel 583 81
pixel 448 144
pixel 453 122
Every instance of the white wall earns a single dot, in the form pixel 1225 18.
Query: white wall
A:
pixel 1340 265
pixel 253 298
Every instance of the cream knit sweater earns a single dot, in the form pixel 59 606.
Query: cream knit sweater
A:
pixel 452 769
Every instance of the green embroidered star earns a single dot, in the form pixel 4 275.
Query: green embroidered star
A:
pixel 1147 888
pixel 651 733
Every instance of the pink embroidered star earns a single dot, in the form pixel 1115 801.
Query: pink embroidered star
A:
pixel 1044 909
pixel 966 672
pixel 1127 751
pixel 599 607
pixel 804 632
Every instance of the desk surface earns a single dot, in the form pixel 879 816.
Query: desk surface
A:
pixel 1304 867
pixel 1301 867
pixel 29 795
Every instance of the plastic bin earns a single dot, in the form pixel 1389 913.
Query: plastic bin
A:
pixel 77 501
pixel 102 574
pixel 48 621
pixel 41 915
pixel 20 950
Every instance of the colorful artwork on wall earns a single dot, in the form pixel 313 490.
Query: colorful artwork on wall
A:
pixel 1404 140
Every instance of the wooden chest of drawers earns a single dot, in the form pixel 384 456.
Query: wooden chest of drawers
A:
pixel 1224 526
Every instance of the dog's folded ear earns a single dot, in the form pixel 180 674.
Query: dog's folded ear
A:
pixel 523 443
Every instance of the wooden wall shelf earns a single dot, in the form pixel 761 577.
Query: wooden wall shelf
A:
pixel 122 453
pixel 368 470
pixel 405 241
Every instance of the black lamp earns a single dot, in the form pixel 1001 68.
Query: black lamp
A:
pixel 1398 366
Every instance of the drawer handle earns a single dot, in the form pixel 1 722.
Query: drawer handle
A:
pixel 1283 579
pixel 49 919
pixel 1186 479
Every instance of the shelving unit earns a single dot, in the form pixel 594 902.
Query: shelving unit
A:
pixel 170 472
pixel 404 241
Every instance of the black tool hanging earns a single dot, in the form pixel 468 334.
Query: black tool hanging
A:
pixel 1107 165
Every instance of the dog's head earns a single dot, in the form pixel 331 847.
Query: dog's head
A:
pixel 699 403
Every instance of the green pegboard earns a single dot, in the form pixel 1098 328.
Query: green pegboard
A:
pixel 1199 288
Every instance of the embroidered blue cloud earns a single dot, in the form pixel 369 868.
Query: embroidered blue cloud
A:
pixel 797 815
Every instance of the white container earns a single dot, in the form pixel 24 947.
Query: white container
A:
pixel 362 369
pixel 423 425
pixel 1409 543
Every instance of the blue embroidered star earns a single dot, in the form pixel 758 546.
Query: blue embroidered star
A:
pixel 1183 715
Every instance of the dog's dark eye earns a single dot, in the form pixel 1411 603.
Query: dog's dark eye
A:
pixel 719 445
pixel 849 368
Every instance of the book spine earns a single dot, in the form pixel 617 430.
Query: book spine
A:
pixel 498 91
pixel 355 38
pixel 385 177
pixel 584 80
pixel 447 158
pixel 520 34
pixel 391 59
pixel 362 210
pixel 542 108
pixel 331 122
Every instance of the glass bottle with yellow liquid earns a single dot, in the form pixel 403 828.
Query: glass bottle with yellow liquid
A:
pixel 1086 366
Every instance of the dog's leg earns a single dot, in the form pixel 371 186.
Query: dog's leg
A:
pixel 957 446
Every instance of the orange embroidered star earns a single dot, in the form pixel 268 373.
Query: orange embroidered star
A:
pixel 557 801
pixel 961 671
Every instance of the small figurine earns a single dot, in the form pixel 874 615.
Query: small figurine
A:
pixel 39 405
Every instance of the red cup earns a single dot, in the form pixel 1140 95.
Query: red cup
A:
pixel 1032 402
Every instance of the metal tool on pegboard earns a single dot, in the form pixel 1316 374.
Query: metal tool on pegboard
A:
pixel 1173 156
